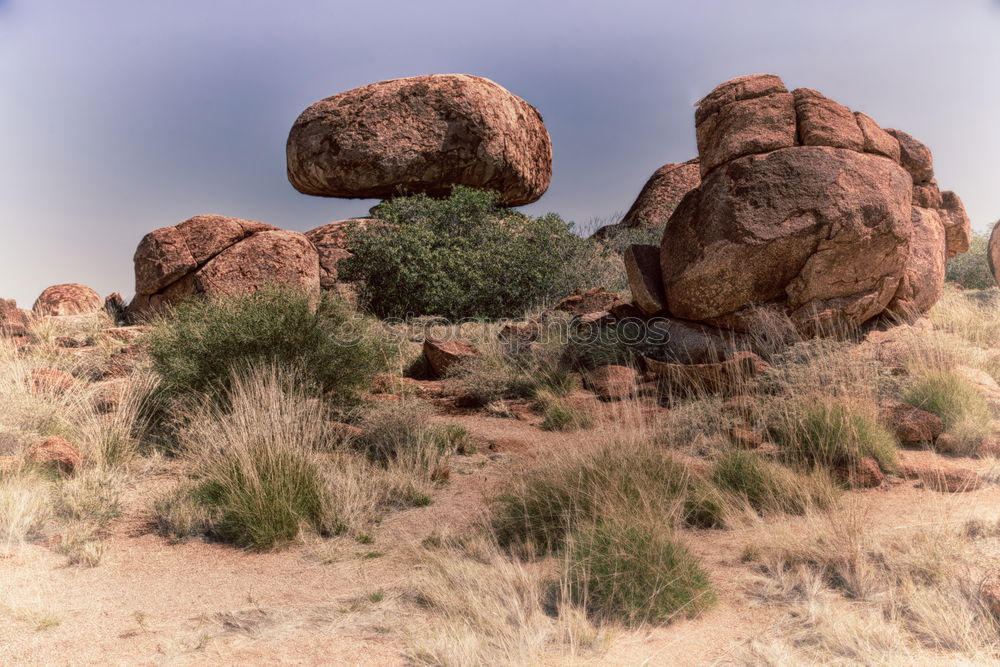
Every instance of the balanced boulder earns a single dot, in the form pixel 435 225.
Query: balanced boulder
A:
pixel 422 134
pixel 68 299
pixel 213 254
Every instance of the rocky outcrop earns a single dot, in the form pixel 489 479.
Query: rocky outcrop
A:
pixel 645 278
pixel 807 208
pixel 331 244
pixel 658 198
pixel 67 299
pixel 213 254
pixel 421 134
pixel 13 320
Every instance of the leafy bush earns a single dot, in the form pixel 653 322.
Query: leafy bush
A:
pixel 833 434
pixel 608 480
pixel 635 572
pixel 771 487
pixel 464 256
pixel 195 348
pixel 971 269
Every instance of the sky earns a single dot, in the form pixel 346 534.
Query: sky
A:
pixel 121 116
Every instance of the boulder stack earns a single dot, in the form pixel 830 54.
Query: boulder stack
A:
pixel 422 134
pixel 806 207
pixel 213 254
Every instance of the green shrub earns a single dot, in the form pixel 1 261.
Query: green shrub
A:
pixel 634 573
pixel 196 347
pixel 617 479
pixel 971 269
pixel 950 396
pixel 832 435
pixel 771 487
pixel 453 438
pixel 464 256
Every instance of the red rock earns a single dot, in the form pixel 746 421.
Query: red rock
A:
pixel 738 118
pixel 213 255
pixel 421 134
pixel 75 340
pixel 938 473
pixel 741 239
pixel 658 198
pixel 441 354
pixel 584 302
pixel 927 195
pixel 911 425
pixel 54 453
pixel 645 278
pixel 989 593
pixel 877 140
pixel 863 474
pixel 68 299
pixel 49 381
pixel 331 244
pixel 13 320
pixel 914 156
pixel 923 278
pixel 957 226
pixel 823 122
pixel 612 382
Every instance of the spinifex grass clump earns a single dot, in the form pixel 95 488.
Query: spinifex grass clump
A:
pixel 833 434
pixel 196 347
pixel 634 572
pixel 628 477
pixel 257 474
pixel 950 396
pixel 768 486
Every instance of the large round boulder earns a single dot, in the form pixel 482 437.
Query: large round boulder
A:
pixel 422 134
pixel 68 299
pixel 214 254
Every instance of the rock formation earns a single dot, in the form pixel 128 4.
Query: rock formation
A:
pixel 331 244
pixel 213 254
pixel 13 320
pixel 658 198
pixel 67 299
pixel 421 134
pixel 806 207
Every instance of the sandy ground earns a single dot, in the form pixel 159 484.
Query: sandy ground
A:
pixel 154 602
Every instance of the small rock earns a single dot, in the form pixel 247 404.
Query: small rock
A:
pixel 612 382
pixel 441 354
pixel 645 278
pixel 584 302
pixel 863 474
pixel 74 340
pixel 911 425
pixel 54 453
pixel 49 381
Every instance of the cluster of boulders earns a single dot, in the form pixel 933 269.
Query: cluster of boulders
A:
pixel 422 134
pixel 801 206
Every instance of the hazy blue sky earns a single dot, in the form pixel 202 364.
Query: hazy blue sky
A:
pixel 121 116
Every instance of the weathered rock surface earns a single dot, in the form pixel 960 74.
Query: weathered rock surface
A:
pixel 808 209
pixel 48 381
pixel 911 425
pixel 331 244
pixel 993 252
pixel 421 134
pixel 923 276
pixel 442 354
pixel 824 230
pixel 658 198
pixel 645 278
pixel 67 299
pixel 585 302
pixel 751 114
pixel 55 453
pixel 13 320
pixel 213 254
